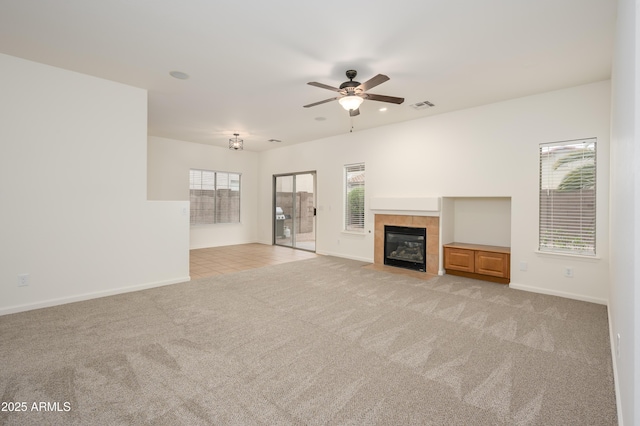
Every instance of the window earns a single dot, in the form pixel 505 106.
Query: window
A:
pixel 214 196
pixel 354 197
pixel 568 197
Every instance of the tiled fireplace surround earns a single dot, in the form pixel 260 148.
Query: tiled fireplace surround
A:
pixel 431 223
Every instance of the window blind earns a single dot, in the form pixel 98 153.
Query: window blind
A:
pixel 568 197
pixel 354 197
pixel 214 197
pixel 227 197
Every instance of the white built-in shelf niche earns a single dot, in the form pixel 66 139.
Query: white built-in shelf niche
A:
pixel 476 220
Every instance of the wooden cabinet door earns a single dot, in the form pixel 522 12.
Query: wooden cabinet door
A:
pixel 459 259
pixel 490 263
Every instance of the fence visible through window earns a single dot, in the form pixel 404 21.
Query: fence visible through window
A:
pixel 214 197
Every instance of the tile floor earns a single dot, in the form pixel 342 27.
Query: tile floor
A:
pixel 211 261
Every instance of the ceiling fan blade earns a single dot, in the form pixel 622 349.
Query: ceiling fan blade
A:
pixel 354 112
pixel 323 86
pixel 373 82
pixel 383 98
pixel 322 102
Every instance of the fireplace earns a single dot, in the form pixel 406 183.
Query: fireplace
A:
pixel 405 247
pixel 430 223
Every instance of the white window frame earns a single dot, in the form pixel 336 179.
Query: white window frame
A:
pixel 567 197
pixel 208 212
pixel 353 220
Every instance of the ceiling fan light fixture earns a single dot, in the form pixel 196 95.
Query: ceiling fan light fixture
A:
pixel 350 102
pixel 235 143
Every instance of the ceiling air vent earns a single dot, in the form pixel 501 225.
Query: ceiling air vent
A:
pixel 422 105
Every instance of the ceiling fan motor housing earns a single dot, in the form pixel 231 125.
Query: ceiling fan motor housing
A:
pixel 350 86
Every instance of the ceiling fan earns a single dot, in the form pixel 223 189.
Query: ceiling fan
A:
pixel 353 93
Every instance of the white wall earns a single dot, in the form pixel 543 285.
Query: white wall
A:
pixel 168 179
pixel 482 220
pixel 625 212
pixel 327 157
pixel 74 212
pixel 489 151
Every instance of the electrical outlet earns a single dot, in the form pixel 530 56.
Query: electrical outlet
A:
pixel 618 345
pixel 568 272
pixel 23 280
pixel 523 266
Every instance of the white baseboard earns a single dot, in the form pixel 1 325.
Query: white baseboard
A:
pixel 224 244
pixel 614 362
pixel 88 296
pixel 558 293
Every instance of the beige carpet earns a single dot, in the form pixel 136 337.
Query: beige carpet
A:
pixel 320 342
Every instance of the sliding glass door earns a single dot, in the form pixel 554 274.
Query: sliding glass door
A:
pixel 294 219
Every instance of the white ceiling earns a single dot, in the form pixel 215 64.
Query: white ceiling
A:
pixel 249 61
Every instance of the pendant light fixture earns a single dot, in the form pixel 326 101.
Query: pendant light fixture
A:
pixel 235 143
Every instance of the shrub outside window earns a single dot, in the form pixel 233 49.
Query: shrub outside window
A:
pixel 568 197
pixel 354 197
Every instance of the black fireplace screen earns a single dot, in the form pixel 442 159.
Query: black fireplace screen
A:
pixel 405 247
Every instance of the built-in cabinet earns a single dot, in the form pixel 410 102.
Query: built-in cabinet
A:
pixel 484 221
pixel 483 262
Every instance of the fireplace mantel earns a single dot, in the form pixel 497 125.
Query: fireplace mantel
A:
pixel 407 206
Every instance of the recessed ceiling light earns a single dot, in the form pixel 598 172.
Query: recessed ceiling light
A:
pixel 320 118
pixel 179 75
pixel 383 109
